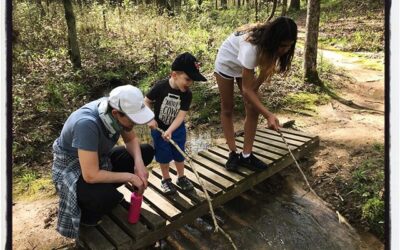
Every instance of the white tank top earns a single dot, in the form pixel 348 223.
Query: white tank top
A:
pixel 235 54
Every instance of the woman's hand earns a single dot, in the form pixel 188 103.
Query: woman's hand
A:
pixel 152 124
pixel 134 180
pixel 142 173
pixel 273 122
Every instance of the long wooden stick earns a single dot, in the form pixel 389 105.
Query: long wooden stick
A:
pixel 189 159
pixel 301 171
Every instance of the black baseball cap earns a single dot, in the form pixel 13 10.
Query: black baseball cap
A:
pixel 187 63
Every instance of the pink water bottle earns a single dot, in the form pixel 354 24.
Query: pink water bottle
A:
pixel 134 209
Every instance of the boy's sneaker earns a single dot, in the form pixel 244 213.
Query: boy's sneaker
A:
pixel 233 161
pixel 184 183
pixel 252 162
pixel 167 186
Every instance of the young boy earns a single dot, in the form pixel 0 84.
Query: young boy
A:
pixel 171 99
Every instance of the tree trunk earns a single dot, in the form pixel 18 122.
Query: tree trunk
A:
pixel 224 4
pixel 79 2
pixel 294 5
pixel 256 6
pixel 284 7
pixel 273 10
pixel 40 6
pixel 73 47
pixel 311 42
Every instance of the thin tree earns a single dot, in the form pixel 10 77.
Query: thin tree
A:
pixel 294 5
pixel 311 42
pixel 284 7
pixel 73 46
pixel 40 6
pixel 256 6
pixel 273 10
pixel 224 4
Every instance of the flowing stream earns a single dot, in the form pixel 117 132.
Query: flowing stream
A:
pixel 275 214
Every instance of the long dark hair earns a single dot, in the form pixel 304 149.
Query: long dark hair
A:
pixel 268 37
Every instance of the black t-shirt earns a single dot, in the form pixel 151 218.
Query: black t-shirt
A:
pixel 168 102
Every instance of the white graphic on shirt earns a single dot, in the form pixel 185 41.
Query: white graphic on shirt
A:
pixel 169 108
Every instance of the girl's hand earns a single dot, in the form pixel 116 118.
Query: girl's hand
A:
pixel 273 122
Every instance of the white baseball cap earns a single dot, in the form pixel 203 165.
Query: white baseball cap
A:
pixel 129 100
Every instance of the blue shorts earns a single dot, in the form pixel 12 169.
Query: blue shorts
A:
pixel 165 151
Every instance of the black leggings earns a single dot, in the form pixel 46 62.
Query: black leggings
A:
pixel 97 199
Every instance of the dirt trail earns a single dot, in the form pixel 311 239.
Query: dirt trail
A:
pixel 342 130
pixel 345 132
pixel 338 122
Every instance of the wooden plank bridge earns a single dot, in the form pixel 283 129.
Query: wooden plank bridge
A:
pixel 162 214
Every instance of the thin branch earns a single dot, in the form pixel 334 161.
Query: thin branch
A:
pixel 301 171
pixel 189 159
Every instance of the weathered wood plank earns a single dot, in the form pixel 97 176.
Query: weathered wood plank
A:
pixel 220 156
pixel 212 177
pixel 86 236
pixel 218 168
pixel 196 195
pixel 114 233
pixel 269 157
pixel 161 204
pixel 120 216
pixel 178 200
pixel 297 132
pixel 263 158
pixel 286 135
pixel 148 216
pixel 210 187
pixel 278 138
pixel 151 218
pixel 265 146
pixel 277 144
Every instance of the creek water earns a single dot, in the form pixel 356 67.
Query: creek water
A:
pixel 275 214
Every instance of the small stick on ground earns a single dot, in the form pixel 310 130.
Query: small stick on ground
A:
pixel 189 159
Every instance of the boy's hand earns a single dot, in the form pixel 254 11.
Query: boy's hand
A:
pixel 167 135
pixel 152 124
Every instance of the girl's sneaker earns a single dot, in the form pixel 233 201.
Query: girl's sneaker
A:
pixel 233 161
pixel 253 162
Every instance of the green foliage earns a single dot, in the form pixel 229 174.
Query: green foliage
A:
pixel 374 212
pixel 368 186
pixel 206 105
pixel 306 100
pixel 30 184
pixel 352 25
pixel 135 46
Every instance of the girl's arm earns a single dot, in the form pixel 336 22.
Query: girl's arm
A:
pixel 250 87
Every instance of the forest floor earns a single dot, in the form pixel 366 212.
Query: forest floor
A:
pixel 345 135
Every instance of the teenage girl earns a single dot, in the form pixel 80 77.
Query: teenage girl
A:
pixel 268 47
